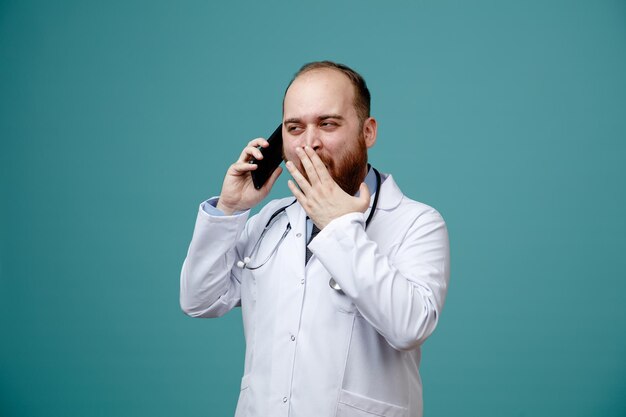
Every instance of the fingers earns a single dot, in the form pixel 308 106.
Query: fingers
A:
pixel 307 164
pixel 252 150
pixel 241 167
pixel 297 193
pixel 298 177
pixel 318 164
pixel 259 142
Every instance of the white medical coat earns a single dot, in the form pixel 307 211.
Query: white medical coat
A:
pixel 311 350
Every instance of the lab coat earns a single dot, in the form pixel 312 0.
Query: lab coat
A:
pixel 311 350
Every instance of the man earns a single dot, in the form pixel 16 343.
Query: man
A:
pixel 336 331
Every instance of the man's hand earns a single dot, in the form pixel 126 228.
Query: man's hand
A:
pixel 238 192
pixel 320 196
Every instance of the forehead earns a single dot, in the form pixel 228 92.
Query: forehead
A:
pixel 319 91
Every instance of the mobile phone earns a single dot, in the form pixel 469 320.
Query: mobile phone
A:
pixel 272 157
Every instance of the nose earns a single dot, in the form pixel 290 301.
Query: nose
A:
pixel 312 138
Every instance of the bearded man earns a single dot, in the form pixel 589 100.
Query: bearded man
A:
pixel 339 286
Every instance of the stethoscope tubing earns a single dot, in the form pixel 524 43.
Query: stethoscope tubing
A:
pixel 245 264
pixel 246 260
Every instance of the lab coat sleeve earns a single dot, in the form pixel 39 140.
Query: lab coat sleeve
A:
pixel 209 283
pixel 401 293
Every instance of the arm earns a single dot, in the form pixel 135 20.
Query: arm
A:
pixel 208 288
pixel 209 285
pixel 401 294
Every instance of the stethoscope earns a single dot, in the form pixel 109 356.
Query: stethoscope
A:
pixel 274 217
pixel 246 261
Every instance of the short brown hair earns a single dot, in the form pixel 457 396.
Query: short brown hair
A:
pixel 362 96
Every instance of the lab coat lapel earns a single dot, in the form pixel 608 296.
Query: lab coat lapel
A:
pixel 390 196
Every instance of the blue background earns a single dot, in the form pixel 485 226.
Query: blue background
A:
pixel 118 118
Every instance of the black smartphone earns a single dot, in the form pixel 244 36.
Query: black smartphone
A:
pixel 272 157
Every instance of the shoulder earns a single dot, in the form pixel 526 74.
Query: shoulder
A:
pixel 272 207
pixel 276 204
pixel 257 222
pixel 398 204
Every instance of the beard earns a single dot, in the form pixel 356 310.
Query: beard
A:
pixel 348 171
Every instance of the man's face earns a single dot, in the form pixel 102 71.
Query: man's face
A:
pixel 319 112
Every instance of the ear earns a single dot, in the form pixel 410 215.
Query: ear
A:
pixel 369 131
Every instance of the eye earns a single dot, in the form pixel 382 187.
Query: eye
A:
pixel 294 129
pixel 329 124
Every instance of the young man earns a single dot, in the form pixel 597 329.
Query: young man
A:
pixel 339 286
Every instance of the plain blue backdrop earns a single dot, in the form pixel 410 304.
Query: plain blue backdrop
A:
pixel 118 118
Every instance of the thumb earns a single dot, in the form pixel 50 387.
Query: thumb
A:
pixel 364 196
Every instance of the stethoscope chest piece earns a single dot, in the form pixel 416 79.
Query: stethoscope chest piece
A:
pixel 333 284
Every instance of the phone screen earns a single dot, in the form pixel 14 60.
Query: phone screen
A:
pixel 272 157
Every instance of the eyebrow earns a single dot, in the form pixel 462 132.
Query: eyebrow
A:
pixel 320 118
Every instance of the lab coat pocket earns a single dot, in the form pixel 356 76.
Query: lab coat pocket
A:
pixel 355 405
pixel 242 403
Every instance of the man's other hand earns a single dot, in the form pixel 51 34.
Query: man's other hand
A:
pixel 321 197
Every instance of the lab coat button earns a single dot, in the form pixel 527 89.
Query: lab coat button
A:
pixel 298 234
pixel 284 399
pixel 293 338
pixel 302 281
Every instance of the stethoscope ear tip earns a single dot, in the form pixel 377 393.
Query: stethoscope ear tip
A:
pixel 244 263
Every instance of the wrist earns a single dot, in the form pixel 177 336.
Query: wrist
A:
pixel 226 209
